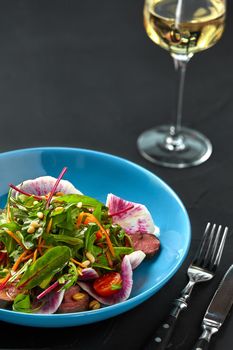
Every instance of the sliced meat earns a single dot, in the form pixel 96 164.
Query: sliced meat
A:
pixel 74 300
pixel 146 242
pixel 7 295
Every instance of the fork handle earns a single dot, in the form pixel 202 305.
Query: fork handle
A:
pixel 162 335
pixel 201 344
pixel 160 339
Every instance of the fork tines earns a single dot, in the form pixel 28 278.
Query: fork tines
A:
pixel 211 247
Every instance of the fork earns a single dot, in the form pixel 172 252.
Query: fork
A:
pixel 202 268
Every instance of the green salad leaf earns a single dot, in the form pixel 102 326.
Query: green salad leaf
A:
pixel 46 266
pixel 78 198
pixel 22 303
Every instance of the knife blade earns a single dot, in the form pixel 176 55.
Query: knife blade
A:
pixel 217 310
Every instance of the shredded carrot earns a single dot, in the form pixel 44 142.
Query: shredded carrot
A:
pixel 27 257
pixel 10 233
pixel 92 218
pixel 39 240
pixel 4 280
pixel 35 255
pixel 76 262
pixel 19 260
pixel 40 246
pixel 80 218
pixel 49 225
pixel 108 256
pixel 79 271
pixel 14 268
pixel 8 213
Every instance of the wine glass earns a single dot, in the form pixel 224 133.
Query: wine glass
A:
pixel 182 27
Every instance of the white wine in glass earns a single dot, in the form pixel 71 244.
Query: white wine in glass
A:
pixel 182 27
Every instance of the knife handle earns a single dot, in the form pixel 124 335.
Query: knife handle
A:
pixel 203 341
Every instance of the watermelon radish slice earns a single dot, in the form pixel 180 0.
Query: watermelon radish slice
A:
pixel 129 262
pixel 132 217
pixel 43 185
pixel 88 274
pixel 51 302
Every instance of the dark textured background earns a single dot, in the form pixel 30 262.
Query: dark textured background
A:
pixel 84 73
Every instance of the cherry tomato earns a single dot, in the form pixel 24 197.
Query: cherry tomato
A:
pixel 108 284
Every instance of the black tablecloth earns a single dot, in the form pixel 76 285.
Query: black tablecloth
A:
pixel 84 74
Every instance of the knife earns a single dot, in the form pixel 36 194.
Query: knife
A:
pixel 217 311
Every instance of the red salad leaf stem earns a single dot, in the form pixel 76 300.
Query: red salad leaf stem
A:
pixel 47 290
pixel 55 186
pixel 25 193
pixel 122 211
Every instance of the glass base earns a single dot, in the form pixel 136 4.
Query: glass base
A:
pixel 187 149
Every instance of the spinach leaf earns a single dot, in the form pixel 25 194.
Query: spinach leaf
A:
pixel 22 303
pixel 64 238
pixel 47 265
pixel 76 198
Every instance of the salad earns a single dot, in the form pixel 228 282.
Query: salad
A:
pixel 62 251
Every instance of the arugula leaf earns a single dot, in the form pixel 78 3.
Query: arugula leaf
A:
pixel 47 265
pixel 105 267
pixel 65 219
pixel 71 277
pixel 97 212
pixel 119 251
pixel 27 241
pixel 90 237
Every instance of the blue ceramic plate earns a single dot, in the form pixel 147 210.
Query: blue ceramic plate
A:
pixel 96 174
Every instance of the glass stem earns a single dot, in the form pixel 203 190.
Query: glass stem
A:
pixel 180 67
pixel 174 141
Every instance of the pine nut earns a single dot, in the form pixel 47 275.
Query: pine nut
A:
pixel 31 229
pixel 35 224
pixel 94 305
pixel 59 208
pixel 90 257
pixel 59 194
pixel 40 215
pixel 35 202
pixel 78 296
pixel 86 263
pixel 79 205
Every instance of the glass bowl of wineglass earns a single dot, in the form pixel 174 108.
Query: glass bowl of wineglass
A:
pixel 183 28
